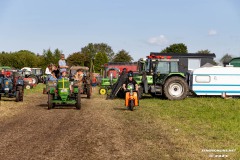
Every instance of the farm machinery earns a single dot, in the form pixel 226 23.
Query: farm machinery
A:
pixel 112 72
pixel 160 77
pixel 62 92
pixel 84 82
pixel 107 82
pixel 69 90
pixel 35 73
pixel 11 85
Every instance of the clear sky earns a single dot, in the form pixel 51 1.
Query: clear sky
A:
pixel 138 26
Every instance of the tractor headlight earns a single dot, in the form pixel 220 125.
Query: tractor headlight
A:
pixel 64 90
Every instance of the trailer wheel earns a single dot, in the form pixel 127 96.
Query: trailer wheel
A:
pixel 175 88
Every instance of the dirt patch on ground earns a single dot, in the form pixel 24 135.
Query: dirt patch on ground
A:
pixel 29 131
pixel 98 131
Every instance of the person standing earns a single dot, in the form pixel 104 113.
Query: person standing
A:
pixel 62 64
pixel 94 82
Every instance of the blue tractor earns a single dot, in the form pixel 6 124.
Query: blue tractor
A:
pixel 11 85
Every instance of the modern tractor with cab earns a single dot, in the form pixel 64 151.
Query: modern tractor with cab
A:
pixel 161 77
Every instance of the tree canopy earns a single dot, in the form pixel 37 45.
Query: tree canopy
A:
pixel 206 51
pixel 226 58
pixel 76 59
pixel 176 48
pixel 99 61
pixel 122 56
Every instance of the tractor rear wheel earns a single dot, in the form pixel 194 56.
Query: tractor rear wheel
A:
pixel 175 88
pixel 35 79
pixel 78 98
pixel 50 104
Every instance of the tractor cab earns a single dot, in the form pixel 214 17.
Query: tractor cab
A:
pixel 160 76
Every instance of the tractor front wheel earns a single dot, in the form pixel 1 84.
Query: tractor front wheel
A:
pixel 175 88
pixel 21 92
pixel 89 91
pixel 102 91
pixel 50 98
pixel 28 86
pixel 17 96
pixel 78 98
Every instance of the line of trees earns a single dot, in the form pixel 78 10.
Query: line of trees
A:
pixel 97 54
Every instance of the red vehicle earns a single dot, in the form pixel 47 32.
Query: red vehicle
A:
pixel 119 65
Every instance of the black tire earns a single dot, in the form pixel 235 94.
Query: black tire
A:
pixel 131 105
pixel 145 83
pixel 50 104
pixel 21 93
pixel 35 79
pixel 17 96
pixel 175 88
pixel 78 98
pixel 140 92
pixel 88 91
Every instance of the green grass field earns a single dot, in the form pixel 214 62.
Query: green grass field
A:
pixel 193 126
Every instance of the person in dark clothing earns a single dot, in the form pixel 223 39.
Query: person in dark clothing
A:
pixel 56 71
pixel 130 80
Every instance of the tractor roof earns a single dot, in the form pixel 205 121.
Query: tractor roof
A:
pixel 84 68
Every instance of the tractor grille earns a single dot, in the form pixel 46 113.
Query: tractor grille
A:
pixel 63 83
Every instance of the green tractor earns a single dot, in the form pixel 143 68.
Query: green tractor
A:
pixel 160 77
pixel 63 91
pixel 107 82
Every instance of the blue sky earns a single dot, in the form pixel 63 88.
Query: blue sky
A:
pixel 138 26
